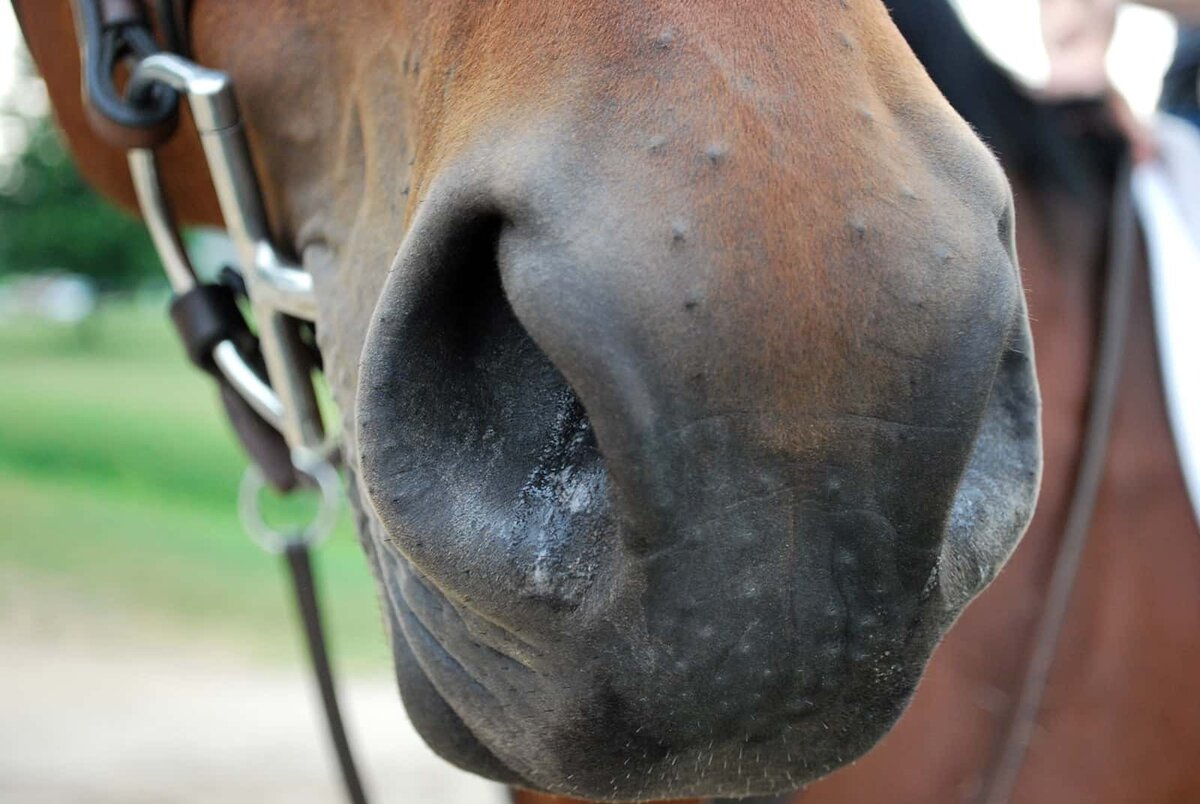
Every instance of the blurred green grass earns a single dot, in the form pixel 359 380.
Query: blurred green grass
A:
pixel 118 476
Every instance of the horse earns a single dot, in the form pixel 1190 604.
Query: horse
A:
pixel 687 385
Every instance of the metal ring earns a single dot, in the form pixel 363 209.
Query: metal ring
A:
pixel 274 541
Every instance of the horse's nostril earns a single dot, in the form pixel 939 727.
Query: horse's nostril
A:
pixel 456 397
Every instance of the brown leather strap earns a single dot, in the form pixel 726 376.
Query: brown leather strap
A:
pixel 174 17
pixel 1000 783
pixel 304 588
pixel 205 316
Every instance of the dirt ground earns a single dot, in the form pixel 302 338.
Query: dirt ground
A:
pixel 97 707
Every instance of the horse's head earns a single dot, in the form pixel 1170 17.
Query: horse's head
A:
pixel 683 358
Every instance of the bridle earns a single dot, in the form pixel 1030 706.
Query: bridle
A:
pixel 273 400
pixel 265 379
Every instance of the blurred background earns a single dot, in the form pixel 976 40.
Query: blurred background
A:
pixel 148 648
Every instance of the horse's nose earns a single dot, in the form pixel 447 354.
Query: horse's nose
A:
pixel 603 362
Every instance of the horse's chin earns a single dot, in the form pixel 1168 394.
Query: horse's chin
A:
pixel 603 715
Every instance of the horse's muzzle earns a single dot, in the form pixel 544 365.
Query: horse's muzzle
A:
pixel 648 529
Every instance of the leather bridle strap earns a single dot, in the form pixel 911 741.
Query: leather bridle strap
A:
pixel 1000 783
pixel 173 19
pixel 300 571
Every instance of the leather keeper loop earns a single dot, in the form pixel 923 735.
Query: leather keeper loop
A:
pixel 205 316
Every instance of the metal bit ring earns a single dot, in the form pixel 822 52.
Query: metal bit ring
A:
pixel 275 541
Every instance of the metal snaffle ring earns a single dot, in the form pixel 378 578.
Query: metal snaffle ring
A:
pixel 275 541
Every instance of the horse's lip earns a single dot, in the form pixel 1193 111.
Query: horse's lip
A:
pixel 999 488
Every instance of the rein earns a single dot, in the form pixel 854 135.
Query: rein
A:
pixel 1001 781
pixel 265 380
